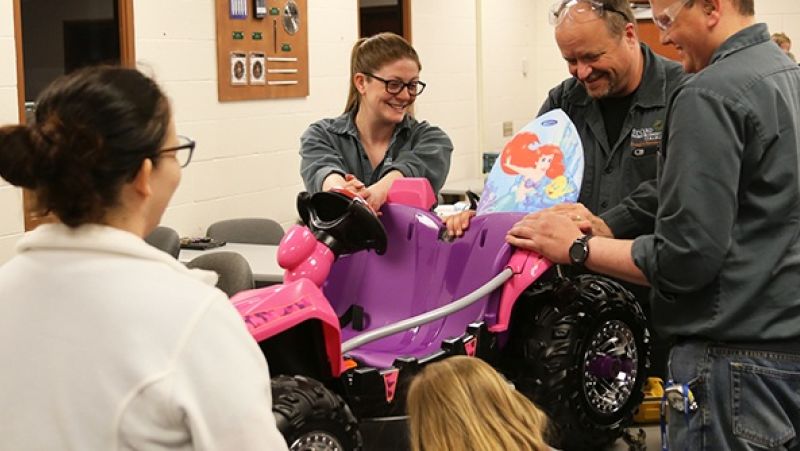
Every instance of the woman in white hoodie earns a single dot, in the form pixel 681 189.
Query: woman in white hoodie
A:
pixel 108 343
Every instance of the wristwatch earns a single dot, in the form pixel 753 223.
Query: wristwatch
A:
pixel 579 251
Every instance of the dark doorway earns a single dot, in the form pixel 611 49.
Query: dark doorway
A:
pixel 376 16
pixel 54 37
pixel 89 42
pixel 59 37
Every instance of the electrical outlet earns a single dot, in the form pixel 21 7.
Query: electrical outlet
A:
pixel 488 161
pixel 508 128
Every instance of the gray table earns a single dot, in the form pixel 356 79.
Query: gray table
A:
pixel 262 258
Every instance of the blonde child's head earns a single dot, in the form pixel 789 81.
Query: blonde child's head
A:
pixel 463 403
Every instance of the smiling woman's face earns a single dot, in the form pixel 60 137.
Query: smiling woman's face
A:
pixel 380 105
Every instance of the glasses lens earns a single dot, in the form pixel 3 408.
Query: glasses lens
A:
pixel 184 152
pixel 395 86
pixel 586 11
pixel 557 12
pixel 667 17
pixel 578 10
pixel 182 155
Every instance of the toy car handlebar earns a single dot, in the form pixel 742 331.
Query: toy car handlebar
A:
pixel 342 221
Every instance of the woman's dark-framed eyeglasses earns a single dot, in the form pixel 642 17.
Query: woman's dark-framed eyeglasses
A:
pixel 580 11
pixel 183 151
pixel 395 87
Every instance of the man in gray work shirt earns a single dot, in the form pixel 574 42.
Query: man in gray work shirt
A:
pixel 724 261
pixel 617 98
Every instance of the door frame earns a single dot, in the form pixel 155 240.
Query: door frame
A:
pixel 407 20
pixel 404 11
pixel 127 56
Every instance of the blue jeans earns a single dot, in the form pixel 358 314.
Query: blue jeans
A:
pixel 748 399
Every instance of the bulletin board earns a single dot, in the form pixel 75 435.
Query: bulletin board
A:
pixel 262 49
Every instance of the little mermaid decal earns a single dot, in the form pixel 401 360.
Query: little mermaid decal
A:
pixel 541 166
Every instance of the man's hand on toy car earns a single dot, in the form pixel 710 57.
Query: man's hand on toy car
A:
pixel 547 233
pixel 456 224
pixel 586 221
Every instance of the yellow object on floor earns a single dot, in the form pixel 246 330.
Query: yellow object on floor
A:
pixel 649 409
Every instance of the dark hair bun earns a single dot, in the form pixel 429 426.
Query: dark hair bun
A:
pixel 93 129
pixel 18 156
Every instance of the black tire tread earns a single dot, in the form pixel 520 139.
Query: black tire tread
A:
pixel 544 357
pixel 301 404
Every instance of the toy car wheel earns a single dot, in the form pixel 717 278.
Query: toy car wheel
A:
pixel 579 349
pixel 311 417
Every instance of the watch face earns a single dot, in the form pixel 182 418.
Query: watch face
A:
pixel 577 252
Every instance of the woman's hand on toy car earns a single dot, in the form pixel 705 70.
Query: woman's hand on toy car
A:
pixel 586 221
pixel 379 191
pixel 456 224
pixel 356 186
pixel 347 182
pixel 376 196
pixel 547 233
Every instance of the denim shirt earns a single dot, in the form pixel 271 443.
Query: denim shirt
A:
pixel 416 149
pixel 619 181
pixel 724 261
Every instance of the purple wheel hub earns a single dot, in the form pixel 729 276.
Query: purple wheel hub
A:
pixel 607 367
pixel 610 367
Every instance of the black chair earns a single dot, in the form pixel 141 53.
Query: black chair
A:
pixel 166 239
pixel 246 230
pixel 234 272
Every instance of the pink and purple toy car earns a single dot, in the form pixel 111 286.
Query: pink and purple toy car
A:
pixel 367 301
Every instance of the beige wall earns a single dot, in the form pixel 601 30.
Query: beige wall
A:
pixel 11 223
pixel 246 162
pixel 519 63
pixel 444 34
pixel 781 15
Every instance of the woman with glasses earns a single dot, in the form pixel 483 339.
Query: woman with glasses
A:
pixel 376 140
pixel 110 343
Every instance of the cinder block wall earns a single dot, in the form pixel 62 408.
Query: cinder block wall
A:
pixel 246 164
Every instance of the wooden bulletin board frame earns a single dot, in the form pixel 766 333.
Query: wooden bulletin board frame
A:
pixel 285 56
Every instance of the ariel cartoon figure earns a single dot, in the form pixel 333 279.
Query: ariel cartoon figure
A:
pixel 541 166
pixel 535 164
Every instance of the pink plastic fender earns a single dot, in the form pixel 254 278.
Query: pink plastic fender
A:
pixel 303 257
pixel 275 309
pixel 527 267
pixel 412 191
